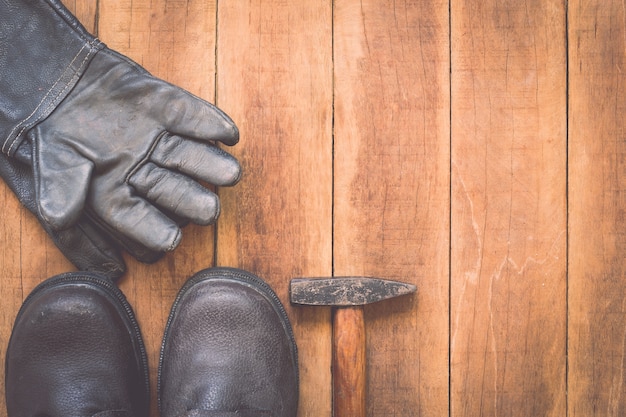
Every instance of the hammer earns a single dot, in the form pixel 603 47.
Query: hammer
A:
pixel 348 295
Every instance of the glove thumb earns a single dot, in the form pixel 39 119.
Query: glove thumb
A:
pixel 61 182
pixel 84 245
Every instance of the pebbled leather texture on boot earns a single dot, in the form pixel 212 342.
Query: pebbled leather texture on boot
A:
pixel 228 350
pixel 76 350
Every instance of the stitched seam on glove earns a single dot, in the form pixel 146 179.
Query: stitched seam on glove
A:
pixel 68 73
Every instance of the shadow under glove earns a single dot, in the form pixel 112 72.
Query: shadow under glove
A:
pixel 105 137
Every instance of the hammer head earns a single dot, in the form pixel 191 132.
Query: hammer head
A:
pixel 345 291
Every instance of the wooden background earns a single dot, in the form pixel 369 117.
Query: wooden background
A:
pixel 476 148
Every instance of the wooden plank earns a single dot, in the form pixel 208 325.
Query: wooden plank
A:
pixel 275 80
pixel 175 41
pixel 508 231
pixel 597 200
pixel 86 12
pixel 11 290
pixel 391 202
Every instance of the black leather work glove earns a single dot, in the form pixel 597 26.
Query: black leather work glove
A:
pixel 105 137
pixel 132 148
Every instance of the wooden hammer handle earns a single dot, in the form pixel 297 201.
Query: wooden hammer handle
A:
pixel 348 362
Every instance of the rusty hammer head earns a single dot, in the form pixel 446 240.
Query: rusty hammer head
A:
pixel 345 291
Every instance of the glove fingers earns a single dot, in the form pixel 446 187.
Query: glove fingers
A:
pixel 188 115
pixel 198 160
pixel 61 182
pixel 176 193
pixel 135 219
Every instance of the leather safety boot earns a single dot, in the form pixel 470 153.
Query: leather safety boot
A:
pixel 228 350
pixel 76 351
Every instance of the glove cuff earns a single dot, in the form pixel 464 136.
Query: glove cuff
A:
pixel 44 51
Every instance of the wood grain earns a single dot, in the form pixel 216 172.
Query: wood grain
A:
pixel 391 190
pixel 508 248
pixel 86 12
pixel 597 184
pixel 349 365
pixel 423 141
pixel 275 79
